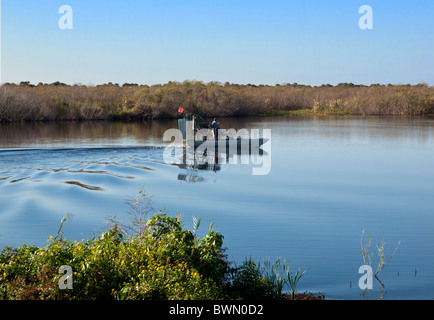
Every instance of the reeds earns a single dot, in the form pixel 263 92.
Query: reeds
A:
pixel 57 101
pixel 279 274
pixel 367 254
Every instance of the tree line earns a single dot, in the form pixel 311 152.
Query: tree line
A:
pixel 131 101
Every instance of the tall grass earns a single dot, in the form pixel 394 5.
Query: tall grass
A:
pixel 382 254
pixel 57 101
pixel 280 274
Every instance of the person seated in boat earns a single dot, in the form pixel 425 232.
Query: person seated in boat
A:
pixel 215 127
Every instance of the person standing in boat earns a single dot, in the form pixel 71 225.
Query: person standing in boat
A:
pixel 215 127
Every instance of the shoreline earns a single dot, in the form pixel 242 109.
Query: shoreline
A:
pixel 57 101
pixel 268 114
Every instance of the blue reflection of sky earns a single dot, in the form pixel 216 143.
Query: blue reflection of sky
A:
pixel 329 180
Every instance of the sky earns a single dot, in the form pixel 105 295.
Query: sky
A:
pixel 270 42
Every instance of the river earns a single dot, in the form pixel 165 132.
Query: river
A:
pixel 330 178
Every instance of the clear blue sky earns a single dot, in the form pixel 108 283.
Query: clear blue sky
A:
pixel 239 41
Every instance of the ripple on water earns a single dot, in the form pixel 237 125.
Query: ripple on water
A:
pixel 91 169
pixel 85 186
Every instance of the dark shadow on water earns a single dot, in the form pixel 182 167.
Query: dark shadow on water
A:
pixel 85 186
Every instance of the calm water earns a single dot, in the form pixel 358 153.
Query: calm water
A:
pixel 330 179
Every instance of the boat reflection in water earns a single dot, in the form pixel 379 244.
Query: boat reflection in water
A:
pixel 194 160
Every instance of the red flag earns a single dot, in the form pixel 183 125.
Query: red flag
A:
pixel 180 110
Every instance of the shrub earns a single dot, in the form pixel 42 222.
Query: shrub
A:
pixel 249 283
pixel 59 101
pixel 155 258
pixel 166 262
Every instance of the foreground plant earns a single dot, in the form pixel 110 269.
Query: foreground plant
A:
pixel 280 275
pixel 164 262
pixel 148 258
pixel 384 259
pixel 382 254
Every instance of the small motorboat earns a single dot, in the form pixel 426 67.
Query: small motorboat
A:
pixel 197 133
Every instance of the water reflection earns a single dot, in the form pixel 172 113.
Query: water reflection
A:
pixel 104 133
pixel 193 161
pixel 86 133
pixel 331 178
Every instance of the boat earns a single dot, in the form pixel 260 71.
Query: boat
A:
pixel 198 134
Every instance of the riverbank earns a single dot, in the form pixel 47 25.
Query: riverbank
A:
pixel 58 101
pixel 325 113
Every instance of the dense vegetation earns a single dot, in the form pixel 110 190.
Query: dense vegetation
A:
pixel 150 259
pixel 58 101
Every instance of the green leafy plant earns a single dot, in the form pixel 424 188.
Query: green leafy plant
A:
pixel 152 257
pixel 166 261
pixel 248 282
